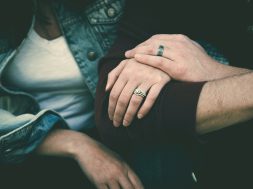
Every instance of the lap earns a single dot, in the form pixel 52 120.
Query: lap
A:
pixel 44 172
pixel 157 167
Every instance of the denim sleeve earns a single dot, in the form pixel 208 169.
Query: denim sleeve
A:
pixel 21 135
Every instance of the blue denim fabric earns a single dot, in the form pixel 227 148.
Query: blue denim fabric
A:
pixel 89 34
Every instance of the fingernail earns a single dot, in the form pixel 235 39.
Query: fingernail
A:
pixel 140 116
pixel 126 123
pixel 127 53
pixel 116 124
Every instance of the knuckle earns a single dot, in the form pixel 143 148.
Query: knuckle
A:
pixel 153 37
pixel 180 70
pixel 181 37
pixel 124 75
pixel 117 170
pixel 150 49
pixel 156 36
pixel 151 99
pixel 122 102
pixel 113 96
pixel 160 61
pixel 135 102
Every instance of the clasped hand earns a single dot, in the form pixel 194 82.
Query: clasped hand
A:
pixel 183 59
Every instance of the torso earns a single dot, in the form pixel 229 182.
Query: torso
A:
pixel 45 67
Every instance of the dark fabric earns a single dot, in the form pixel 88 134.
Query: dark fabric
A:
pixel 44 172
pixel 159 147
pixel 225 159
pixel 223 23
pixel 171 119
pixel 158 168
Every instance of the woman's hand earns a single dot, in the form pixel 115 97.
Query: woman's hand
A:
pixel 103 167
pixel 183 59
pixel 123 80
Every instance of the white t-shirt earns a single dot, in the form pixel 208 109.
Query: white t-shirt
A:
pixel 48 71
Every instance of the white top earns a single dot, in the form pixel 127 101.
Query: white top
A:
pixel 48 71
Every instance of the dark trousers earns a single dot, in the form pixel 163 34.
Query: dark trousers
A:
pixel 158 167
pixel 228 158
pixel 226 162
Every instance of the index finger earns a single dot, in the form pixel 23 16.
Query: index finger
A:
pixel 159 37
pixel 114 74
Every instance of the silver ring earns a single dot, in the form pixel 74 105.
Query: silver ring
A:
pixel 160 50
pixel 140 92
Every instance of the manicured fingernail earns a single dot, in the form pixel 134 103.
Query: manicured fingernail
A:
pixel 126 123
pixel 140 116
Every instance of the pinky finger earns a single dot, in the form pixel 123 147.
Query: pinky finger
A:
pixel 150 100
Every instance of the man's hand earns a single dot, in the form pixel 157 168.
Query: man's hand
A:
pixel 183 59
pixel 103 167
pixel 124 79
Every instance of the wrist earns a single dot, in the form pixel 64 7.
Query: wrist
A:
pixel 61 142
pixel 81 145
pixel 76 144
pixel 215 70
pixel 221 71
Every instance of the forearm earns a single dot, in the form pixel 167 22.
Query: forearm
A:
pixel 62 142
pixel 225 102
pixel 221 71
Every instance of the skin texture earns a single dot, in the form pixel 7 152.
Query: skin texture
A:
pixel 126 78
pixel 185 60
pixel 103 167
pixel 231 103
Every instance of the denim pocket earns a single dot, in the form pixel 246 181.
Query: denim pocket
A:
pixel 105 12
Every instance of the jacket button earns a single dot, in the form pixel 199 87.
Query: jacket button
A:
pixel 92 55
pixel 111 12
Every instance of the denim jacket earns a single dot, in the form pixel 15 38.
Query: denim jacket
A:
pixel 89 34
